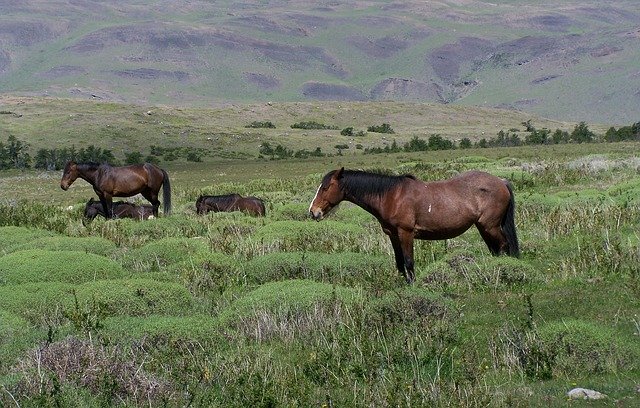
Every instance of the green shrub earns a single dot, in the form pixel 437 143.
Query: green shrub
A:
pixel 346 267
pixel 136 297
pixel 126 232
pixel 166 251
pixel 581 348
pixel 37 265
pixel 285 309
pixel 384 128
pixel 312 125
pixel 201 328
pixel 206 272
pixel 329 236
pixel 94 245
pixel 42 301
pixel 462 270
pixel 12 236
pixel 258 124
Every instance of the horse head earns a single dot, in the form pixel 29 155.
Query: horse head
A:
pixel 329 194
pixel 91 210
pixel 69 175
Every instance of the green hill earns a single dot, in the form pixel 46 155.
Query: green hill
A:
pixel 572 61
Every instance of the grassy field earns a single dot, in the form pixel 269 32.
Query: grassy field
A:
pixel 230 310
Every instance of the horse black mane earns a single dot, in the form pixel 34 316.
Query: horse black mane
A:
pixel 361 183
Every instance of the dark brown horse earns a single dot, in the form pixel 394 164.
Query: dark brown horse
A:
pixel 121 209
pixel 410 209
pixel 230 202
pixel 109 181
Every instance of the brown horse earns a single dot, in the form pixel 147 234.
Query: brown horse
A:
pixel 121 209
pixel 410 209
pixel 109 181
pixel 230 202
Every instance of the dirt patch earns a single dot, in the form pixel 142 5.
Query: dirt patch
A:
pixel 400 89
pixel 446 60
pixel 543 79
pixel 268 25
pixel 384 47
pixel 5 61
pixel 547 22
pixel 604 51
pixel 152 74
pixel 165 41
pixel 262 80
pixel 62 71
pixel 330 92
pixel 25 33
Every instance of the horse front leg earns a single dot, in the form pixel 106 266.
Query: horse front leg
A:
pixel 397 252
pixel 107 205
pixel 406 243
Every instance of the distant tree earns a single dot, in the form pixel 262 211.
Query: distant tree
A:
pixel 384 128
pixel 560 136
pixel 133 158
pixel 415 145
pixel 465 143
pixel 258 124
pixel 14 154
pixel 437 142
pixel 537 137
pixel 582 134
pixel 347 131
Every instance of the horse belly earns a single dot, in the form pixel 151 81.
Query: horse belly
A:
pixel 434 224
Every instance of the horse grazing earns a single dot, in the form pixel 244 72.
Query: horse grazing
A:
pixel 409 209
pixel 121 209
pixel 109 181
pixel 230 202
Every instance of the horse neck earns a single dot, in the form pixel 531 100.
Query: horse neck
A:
pixel 367 198
pixel 87 172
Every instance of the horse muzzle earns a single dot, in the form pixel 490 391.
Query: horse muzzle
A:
pixel 64 186
pixel 316 214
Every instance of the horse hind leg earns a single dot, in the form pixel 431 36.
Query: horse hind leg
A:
pixel 153 199
pixel 495 239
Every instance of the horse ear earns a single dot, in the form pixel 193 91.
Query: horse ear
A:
pixel 338 174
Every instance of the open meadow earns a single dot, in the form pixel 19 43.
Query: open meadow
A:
pixel 232 310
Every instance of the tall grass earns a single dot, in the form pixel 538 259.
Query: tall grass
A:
pixel 232 310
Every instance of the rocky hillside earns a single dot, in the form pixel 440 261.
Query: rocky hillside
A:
pixel 568 60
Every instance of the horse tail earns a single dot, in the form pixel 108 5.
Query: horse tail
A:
pixel 166 192
pixel 509 226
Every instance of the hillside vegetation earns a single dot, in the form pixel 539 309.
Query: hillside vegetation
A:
pixel 569 60
pixel 232 310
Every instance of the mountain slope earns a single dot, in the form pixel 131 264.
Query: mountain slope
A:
pixel 569 60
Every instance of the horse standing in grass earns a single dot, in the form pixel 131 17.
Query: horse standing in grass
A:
pixel 409 209
pixel 109 181
pixel 121 209
pixel 230 202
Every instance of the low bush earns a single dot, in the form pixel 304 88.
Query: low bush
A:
pixel 136 297
pixel 94 245
pixel 166 251
pixel 346 267
pixel 581 348
pixel 464 271
pixel 208 272
pixel 328 236
pixel 12 236
pixel 286 309
pixel 37 265
pixel 43 301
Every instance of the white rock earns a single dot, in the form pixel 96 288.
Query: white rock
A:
pixel 584 393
